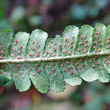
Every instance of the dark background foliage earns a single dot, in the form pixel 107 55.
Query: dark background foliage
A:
pixel 53 16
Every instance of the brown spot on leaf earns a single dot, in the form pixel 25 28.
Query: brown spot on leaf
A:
pixel 18 66
pixel 64 51
pixel 79 49
pixel 66 39
pixel 99 44
pixel 64 70
pixel 37 64
pixel 37 51
pixel 108 41
pixel 17 41
pixel 76 64
pixel 94 42
pixel 107 62
pixel 96 32
pixel 21 71
pixel 71 72
pixel 53 55
pixel 73 37
pixel 30 69
pixel 107 47
pixel 12 55
pixel 2 52
pixel 69 67
pixel 3 46
pixel 69 53
pixel 67 62
pixel 46 67
pixel 51 79
pixel 30 54
pixel 100 40
pixel 38 45
pixel 82 65
pixel 93 66
pixel 71 42
pixel 23 76
pixel 90 61
pixel 16 75
pixel 51 41
pixel 14 50
pixel 62 65
pixel 38 71
pixel 65 45
pixel 20 46
pixel 49 46
pixel 108 37
pixel 99 68
pixel 52 63
pixel 37 55
pixel 81 59
pixel 49 73
pixel 19 57
pixel 55 43
pixel 1 57
pixel 95 57
pixel 15 44
pixel 33 74
pixel 86 40
pixel 85 50
pixel 54 48
pixel 71 46
pixel 99 49
pixel 97 63
pixel 85 45
pixel 55 74
pixel 105 59
pixel 53 69
pixel 95 36
pixel 5 73
pixel 32 48
pixel 94 47
pixel 80 43
pixel 81 37
pixel 47 52
pixel 19 52
pixel 33 42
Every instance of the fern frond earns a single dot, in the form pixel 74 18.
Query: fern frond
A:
pixel 79 54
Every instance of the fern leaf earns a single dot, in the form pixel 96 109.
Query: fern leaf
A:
pixel 79 54
pixel 20 76
pixel 36 44
pixel 39 77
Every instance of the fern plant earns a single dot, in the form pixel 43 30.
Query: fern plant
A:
pixel 79 54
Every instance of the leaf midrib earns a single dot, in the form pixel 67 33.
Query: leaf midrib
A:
pixel 53 58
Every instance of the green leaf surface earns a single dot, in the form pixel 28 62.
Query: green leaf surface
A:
pixel 98 38
pixel 53 47
pixel 87 73
pixel 5 74
pixel 69 39
pixel 39 77
pixel 6 37
pixel 84 41
pixel 20 75
pixel 55 76
pixel 36 44
pixel 18 46
pixel 70 73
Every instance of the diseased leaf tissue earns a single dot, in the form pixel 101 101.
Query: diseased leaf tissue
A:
pixel 79 54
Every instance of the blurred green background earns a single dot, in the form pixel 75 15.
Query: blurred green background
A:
pixel 53 16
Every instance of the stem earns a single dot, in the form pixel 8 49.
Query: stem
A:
pixel 52 58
